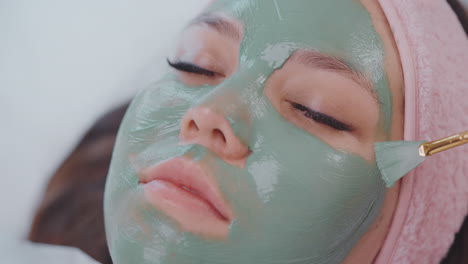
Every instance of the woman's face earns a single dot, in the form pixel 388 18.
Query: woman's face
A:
pixel 257 147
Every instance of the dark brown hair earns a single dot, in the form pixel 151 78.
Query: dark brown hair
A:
pixel 71 212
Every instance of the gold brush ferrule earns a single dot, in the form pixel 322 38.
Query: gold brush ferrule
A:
pixel 431 148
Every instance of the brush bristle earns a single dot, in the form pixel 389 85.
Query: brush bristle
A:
pixel 396 158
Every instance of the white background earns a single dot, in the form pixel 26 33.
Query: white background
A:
pixel 63 63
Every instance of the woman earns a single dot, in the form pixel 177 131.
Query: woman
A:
pixel 258 147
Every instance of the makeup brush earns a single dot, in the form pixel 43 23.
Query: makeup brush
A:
pixel 396 158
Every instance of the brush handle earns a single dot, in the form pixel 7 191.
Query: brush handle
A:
pixel 431 148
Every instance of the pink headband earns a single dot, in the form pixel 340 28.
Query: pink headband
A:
pixel 434 198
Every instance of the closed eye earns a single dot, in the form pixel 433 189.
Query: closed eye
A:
pixel 191 68
pixel 322 118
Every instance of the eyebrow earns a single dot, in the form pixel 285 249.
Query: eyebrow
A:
pixel 220 24
pixel 314 59
pixel 321 61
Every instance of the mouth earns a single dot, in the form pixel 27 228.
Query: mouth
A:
pixel 187 194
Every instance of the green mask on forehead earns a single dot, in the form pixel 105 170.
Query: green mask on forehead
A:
pixel 298 200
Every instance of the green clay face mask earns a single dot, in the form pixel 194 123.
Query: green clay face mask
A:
pixel 295 198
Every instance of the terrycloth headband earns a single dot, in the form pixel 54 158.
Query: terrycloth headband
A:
pixel 434 198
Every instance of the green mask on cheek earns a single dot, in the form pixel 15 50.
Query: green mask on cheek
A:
pixel 297 200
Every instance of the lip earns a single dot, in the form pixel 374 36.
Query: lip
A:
pixel 186 193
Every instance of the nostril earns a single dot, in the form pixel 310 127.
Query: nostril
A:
pixel 218 134
pixel 192 126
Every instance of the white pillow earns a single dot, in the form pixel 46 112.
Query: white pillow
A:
pixel 13 251
pixel 63 64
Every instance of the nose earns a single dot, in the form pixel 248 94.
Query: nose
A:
pixel 203 126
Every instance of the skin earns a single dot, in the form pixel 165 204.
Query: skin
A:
pixel 233 122
pixel 369 245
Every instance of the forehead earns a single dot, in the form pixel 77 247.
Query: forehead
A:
pixel 335 27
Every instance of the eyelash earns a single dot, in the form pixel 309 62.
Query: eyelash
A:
pixel 309 113
pixel 322 118
pixel 191 68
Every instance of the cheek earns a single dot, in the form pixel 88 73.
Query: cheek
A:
pixel 155 115
pixel 309 185
pixel 302 155
pixel 351 144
